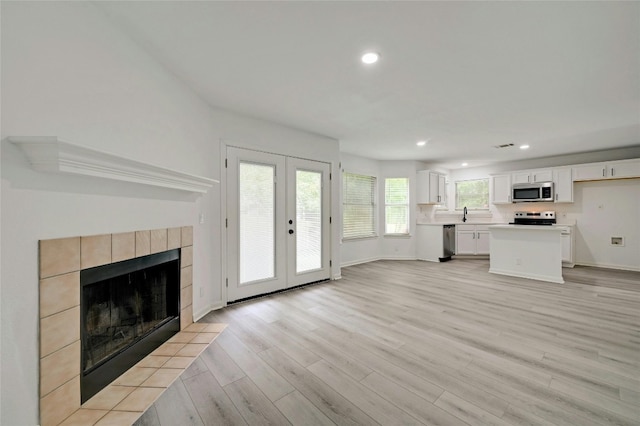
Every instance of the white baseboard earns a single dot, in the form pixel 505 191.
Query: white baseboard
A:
pixel 358 262
pixel 539 277
pixel 373 259
pixel 398 258
pixel 197 316
pixel 606 266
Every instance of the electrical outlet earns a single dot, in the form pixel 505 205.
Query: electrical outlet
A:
pixel 617 241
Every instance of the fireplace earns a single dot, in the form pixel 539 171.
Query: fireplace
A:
pixel 61 263
pixel 128 309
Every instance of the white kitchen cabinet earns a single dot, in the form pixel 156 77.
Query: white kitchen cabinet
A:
pixel 593 171
pixel 482 241
pixel 465 242
pixel 563 184
pixel 567 239
pixel 431 187
pixel 531 176
pixel 501 189
pixel 623 169
pixel 611 170
pixel 472 239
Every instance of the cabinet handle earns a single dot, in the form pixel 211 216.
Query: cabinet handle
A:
pixel 474 236
pixel 604 172
pixel 612 174
pixel 556 197
pixel 478 235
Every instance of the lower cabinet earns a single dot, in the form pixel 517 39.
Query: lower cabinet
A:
pixel 567 238
pixel 472 239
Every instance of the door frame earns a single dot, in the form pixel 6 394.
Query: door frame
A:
pixel 334 208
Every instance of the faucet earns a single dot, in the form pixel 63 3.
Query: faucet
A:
pixel 464 214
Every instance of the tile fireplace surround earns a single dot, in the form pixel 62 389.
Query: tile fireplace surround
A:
pixel 125 399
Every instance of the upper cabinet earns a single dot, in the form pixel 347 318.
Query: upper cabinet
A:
pixel 532 176
pixel 431 187
pixel 611 170
pixel 563 185
pixel 501 189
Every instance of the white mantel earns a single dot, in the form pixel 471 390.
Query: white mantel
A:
pixel 49 154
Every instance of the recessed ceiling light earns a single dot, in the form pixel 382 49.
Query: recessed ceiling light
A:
pixel 465 164
pixel 421 143
pixel 524 146
pixel 370 57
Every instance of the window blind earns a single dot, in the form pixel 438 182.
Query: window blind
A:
pixel 358 202
pixel 396 209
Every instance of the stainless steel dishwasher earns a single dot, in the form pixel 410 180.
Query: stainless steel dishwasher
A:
pixel 448 241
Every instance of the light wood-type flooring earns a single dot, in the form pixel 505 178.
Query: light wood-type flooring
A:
pixel 410 342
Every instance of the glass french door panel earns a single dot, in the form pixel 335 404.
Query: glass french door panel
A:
pixel 308 220
pixel 257 222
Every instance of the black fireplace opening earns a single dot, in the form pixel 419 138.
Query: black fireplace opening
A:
pixel 128 309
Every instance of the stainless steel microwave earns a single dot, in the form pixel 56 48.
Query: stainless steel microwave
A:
pixel 532 192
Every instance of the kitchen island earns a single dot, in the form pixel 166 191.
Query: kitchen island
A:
pixel 526 251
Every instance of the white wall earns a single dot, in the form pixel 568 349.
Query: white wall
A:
pixel 383 246
pixel 603 210
pixel 67 72
pixel 362 249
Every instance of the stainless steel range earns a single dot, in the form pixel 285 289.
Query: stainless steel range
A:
pixel 534 218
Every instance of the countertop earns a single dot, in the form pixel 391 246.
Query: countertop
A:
pixel 460 223
pixel 554 228
pixel 492 224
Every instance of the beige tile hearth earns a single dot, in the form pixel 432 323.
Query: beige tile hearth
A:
pixel 84 417
pixel 108 397
pixel 134 376
pixel 130 395
pixel 180 362
pixel 162 378
pixel 139 399
pixel 60 263
pixel 118 418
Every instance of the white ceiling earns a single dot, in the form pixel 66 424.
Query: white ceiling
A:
pixel 563 77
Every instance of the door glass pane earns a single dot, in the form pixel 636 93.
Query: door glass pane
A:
pixel 308 220
pixel 257 226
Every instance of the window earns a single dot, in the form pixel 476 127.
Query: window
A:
pixel 396 205
pixel 472 194
pixel 358 206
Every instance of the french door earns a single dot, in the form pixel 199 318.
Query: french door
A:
pixel 277 222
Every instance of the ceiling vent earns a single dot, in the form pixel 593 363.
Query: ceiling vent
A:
pixel 506 145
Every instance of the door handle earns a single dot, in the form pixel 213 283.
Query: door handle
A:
pixel 290 231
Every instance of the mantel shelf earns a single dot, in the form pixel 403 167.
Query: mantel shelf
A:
pixel 49 154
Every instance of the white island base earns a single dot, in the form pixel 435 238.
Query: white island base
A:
pixel 526 251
